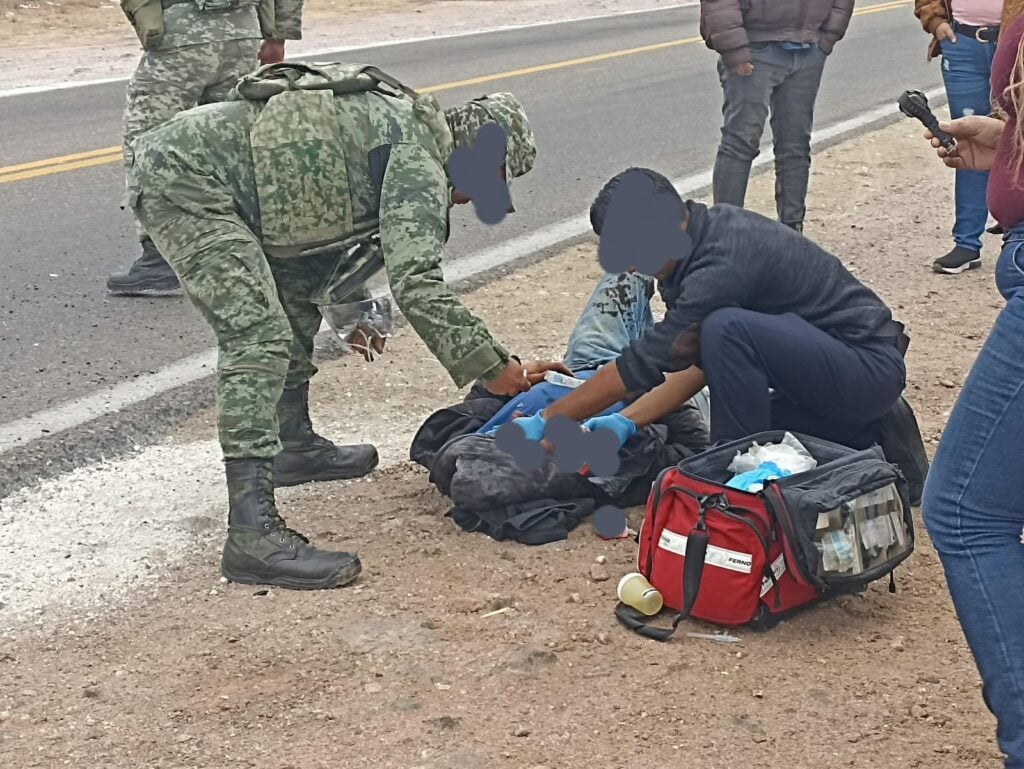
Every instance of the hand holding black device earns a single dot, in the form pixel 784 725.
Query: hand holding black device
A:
pixel 915 104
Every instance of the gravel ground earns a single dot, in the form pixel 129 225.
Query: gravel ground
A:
pixel 410 667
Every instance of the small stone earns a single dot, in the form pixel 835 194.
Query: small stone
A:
pixel 4 715
pixel 947 383
pixel 574 598
pixel 91 693
pixel 759 694
pixel 521 731
pixel 373 688
pixel 602 638
pixel 213 591
pixel 598 573
pixel 898 644
pixel 223 580
pixel 602 559
pixel 29 693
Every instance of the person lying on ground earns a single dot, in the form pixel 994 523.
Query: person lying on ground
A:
pixel 783 335
pixel 617 314
pixel 491 494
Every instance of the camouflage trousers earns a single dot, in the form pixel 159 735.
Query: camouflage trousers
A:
pixel 170 81
pixel 259 308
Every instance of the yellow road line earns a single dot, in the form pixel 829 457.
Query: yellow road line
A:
pixel 560 65
pixel 102 160
pixel 98 157
pixel 59 160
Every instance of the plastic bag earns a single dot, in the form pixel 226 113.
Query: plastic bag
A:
pixel 361 327
pixel 789 456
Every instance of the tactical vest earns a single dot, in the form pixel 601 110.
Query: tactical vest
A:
pixel 313 149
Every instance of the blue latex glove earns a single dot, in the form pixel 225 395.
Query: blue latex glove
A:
pixel 623 427
pixel 533 427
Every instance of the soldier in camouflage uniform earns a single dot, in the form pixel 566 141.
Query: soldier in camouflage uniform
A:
pixel 257 204
pixel 198 50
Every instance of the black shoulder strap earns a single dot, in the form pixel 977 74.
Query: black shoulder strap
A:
pixel 693 573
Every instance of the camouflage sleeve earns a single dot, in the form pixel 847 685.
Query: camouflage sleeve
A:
pixel 281 19
pixel 413 227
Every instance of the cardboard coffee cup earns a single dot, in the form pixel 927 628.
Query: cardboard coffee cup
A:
pixel 634 590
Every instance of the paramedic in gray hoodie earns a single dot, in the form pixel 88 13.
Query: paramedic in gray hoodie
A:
pixel 782 333
pixel 771 56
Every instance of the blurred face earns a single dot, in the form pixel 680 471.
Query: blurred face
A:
pixel 460 198
pixel 670 265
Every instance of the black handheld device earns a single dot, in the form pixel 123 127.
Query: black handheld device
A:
pixel 915 104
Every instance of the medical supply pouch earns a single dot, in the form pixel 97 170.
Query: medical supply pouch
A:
pixel 732 558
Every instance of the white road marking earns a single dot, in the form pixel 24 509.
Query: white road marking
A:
pixel 76 412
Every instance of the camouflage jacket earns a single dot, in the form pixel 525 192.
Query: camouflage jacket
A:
pixel 361 169
pixel 223 20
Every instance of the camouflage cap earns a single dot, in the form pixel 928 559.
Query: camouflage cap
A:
pixel 505 110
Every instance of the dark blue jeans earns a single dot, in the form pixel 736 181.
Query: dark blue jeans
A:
pixel 966 72
pixel 974 507
pixel 821 386
pixel 784 83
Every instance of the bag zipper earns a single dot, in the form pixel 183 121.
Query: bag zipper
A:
pixel 767 571
pixel 655 504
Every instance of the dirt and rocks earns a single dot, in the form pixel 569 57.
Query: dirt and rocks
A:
pixel 457 652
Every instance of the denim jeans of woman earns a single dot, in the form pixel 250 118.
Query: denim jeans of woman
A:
pixel 966 71
pixel 974 507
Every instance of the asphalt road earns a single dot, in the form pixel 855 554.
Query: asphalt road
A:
pixel 62 337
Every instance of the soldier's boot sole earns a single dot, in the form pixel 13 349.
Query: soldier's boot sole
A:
pixel 343 575
pixel 293 468
pixel 162 287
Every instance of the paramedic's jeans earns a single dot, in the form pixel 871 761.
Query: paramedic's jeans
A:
pixel 618 313
pixel 974 506
pixel 779 372
pixel 966 71
pixel 784 83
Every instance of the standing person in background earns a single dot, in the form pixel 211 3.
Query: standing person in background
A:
pixel 974 497
pixel 965 33
pixel 194 51
pixel 771 58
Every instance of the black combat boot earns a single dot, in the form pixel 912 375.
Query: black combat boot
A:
pixel 149 275
pixel 305 456
pixel 262 550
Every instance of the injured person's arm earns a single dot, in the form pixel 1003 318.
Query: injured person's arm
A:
pixel 678 388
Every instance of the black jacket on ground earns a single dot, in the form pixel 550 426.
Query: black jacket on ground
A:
pixel 744 260
pixel 490 493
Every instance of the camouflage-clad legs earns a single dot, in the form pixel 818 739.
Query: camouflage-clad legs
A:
pixel 226 276
pixel 198 58
pixel 168 82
